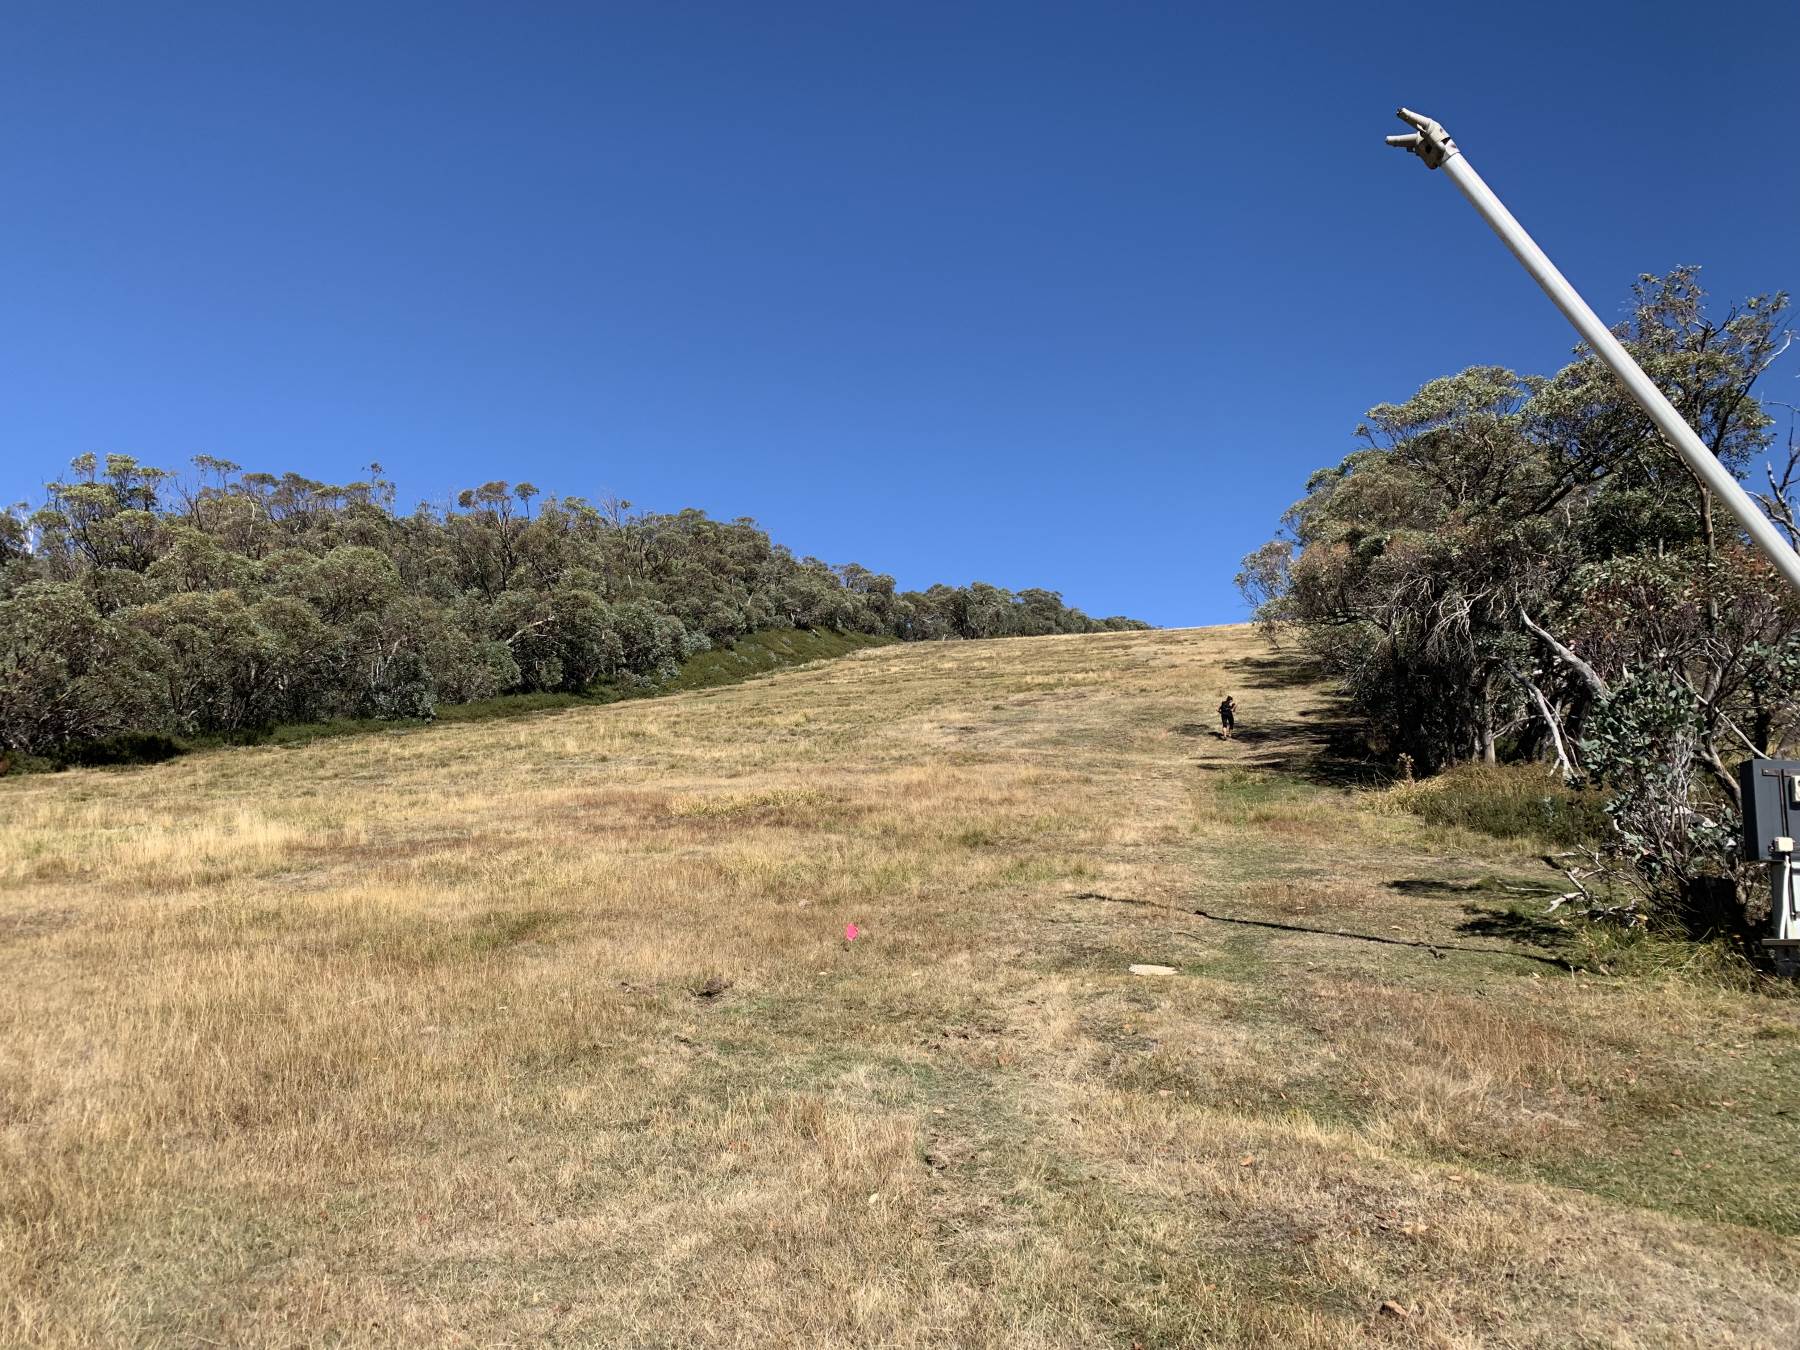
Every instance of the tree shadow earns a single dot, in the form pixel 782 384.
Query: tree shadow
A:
pixel 1290 671
pixel 1326 750
pixel 1256 735
pixel 1533 930
pixel 1505 920
pixel 1436 949
pixel 1444 885
pixel 127 749
pixel 1323 751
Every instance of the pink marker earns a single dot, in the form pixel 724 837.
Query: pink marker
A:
pixel 851 931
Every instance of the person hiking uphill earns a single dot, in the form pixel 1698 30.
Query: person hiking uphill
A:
pixel 1227 716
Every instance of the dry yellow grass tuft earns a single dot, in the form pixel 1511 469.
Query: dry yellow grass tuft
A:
pixel 546 1031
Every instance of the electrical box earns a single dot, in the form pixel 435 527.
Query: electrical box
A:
pixel 1771 789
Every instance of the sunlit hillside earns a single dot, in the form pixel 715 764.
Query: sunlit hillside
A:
pixel 548 1031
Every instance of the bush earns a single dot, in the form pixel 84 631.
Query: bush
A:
pixel 1508 801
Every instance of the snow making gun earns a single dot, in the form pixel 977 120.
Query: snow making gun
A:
pixel 1770 788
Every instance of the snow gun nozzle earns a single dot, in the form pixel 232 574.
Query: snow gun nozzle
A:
pixel 1429 141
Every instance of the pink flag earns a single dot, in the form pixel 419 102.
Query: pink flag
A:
pixel 851 932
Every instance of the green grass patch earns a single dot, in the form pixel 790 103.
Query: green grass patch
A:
pixel 1250 787
pixel 1241 958
pixel 1506 801
pixel 1697 1139
pixel 759 654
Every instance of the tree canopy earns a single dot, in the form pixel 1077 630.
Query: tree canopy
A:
pixel 136 601
pixel 1517 566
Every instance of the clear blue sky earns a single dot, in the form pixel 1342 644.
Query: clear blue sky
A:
pixel 1037 294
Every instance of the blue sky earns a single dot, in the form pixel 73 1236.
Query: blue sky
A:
pixel 1047 294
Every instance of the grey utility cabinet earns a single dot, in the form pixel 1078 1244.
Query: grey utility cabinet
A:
pixel 1771 789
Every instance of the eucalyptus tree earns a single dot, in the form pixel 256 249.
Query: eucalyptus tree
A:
pixel 132 600
pixel 1412 558
pixel 1520 566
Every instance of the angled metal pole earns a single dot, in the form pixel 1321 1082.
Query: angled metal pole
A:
pixel 1431 143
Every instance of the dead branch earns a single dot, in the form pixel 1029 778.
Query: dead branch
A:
pixel 1568 658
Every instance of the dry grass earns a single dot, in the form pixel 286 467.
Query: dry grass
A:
pixel 545 1031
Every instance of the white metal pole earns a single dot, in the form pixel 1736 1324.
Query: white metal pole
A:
pixel 1431 143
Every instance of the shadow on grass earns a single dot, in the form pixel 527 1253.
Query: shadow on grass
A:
pixel 1513 925
pixel 1507 920
pixel 1457 886
pixel 130 748
pixel 1326 752
pixel 1437 949
pixel 1282 671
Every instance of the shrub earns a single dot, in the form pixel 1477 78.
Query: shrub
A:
pixel 1508 801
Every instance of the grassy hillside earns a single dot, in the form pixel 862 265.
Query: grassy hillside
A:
pixel 546 1030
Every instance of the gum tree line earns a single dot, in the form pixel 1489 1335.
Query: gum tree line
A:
pixel 132 602
pixel 1516 567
